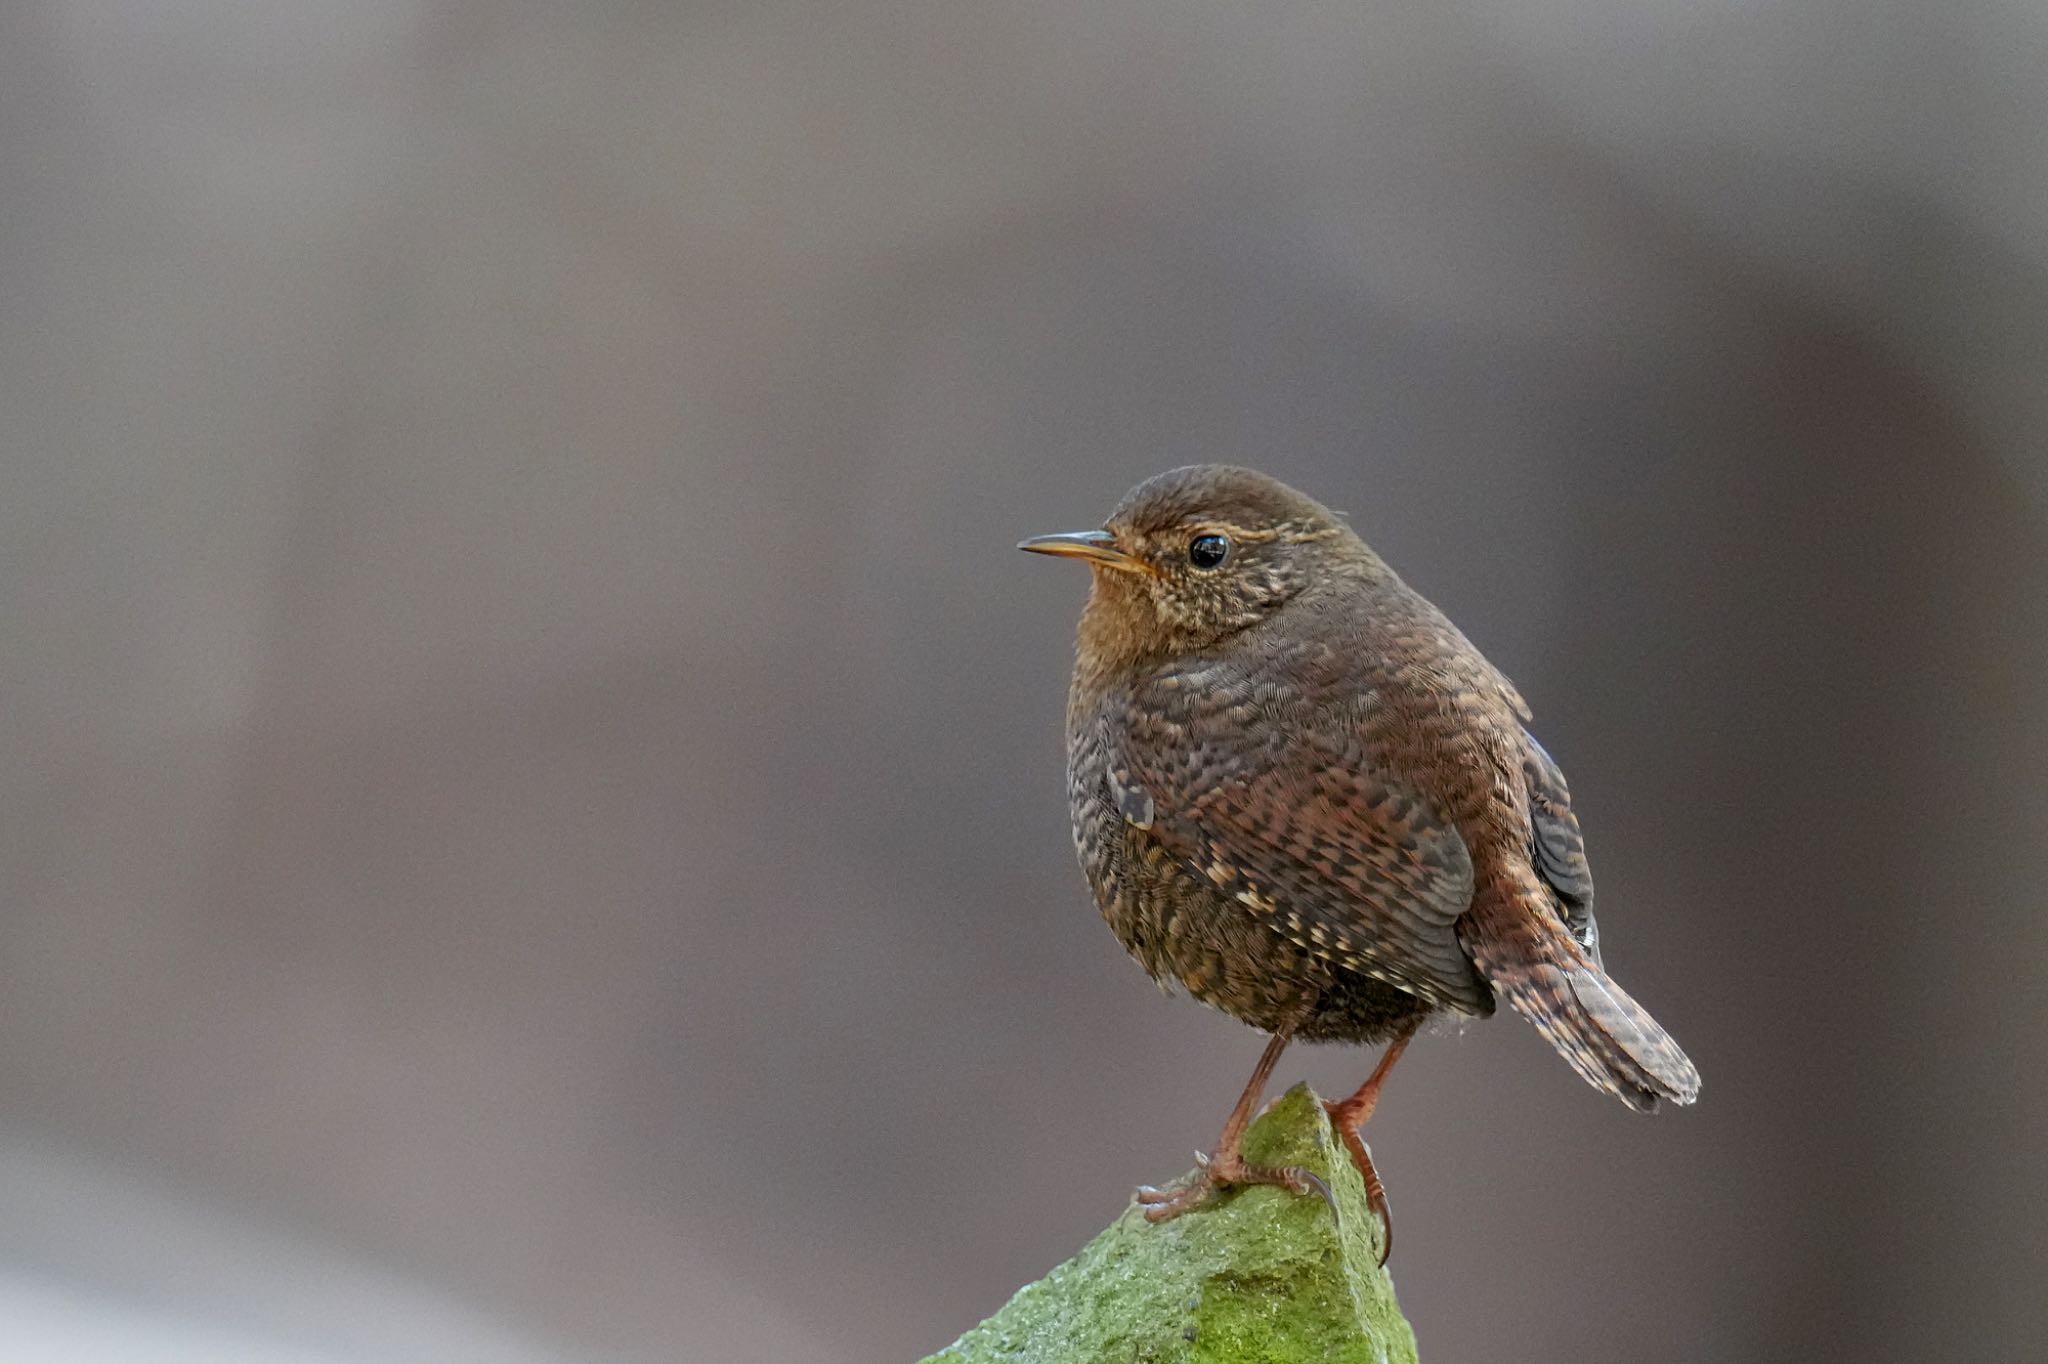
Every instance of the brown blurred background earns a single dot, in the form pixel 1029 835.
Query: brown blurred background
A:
pixel 533 821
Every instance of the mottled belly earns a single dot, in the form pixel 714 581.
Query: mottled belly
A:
pixel 1188 934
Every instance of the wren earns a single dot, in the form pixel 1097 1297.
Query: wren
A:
pixel 1301 795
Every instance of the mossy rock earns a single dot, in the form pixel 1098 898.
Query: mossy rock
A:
pixel 1261 1276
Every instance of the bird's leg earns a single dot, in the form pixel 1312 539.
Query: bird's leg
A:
pixel 1348 1115
pixel 1226 1165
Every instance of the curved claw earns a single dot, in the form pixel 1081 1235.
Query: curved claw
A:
pixel 1376 1199
pixel 1311 1180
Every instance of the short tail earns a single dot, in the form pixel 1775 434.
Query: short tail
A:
pixel 1609 1039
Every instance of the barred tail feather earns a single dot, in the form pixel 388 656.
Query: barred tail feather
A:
pixel 1608 1038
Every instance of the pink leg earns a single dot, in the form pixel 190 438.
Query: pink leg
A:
pixel 1350 1114
pixel 1227 1165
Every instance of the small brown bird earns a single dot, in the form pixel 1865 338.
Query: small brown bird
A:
pixel 1300 794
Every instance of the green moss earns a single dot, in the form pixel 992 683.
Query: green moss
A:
pixel 1262 1276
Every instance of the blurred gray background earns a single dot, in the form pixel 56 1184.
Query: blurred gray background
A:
pixel 533 824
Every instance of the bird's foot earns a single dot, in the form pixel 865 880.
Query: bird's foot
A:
pixel 1214 1174
pixel 1361 1156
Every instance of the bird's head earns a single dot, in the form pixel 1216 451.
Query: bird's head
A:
pixel 1196 554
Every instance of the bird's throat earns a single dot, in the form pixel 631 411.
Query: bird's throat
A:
pixel 1118 631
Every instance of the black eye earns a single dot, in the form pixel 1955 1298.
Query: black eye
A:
pixel 1208 551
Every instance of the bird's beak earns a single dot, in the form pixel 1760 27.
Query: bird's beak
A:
pixel 1095 546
